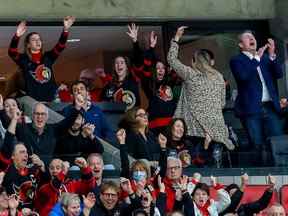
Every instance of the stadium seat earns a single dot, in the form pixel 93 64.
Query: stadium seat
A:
pixel 284 196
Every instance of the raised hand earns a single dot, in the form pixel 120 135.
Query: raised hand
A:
pixel 133 32
pixel 1 102
pixel 80 102
pixel 89 200
pixel 68 22
pixel 244 179
pixel 125 185
pixel 207 141
pixel 88 130
pixel 213 181
pixel 179 33
pixel 162 141
pixel 271 47
pixel 21 29
pixel 37 161
pixel 121 136
pixel 16 114
pixel 13 201
pixel 184 182
pixel 261 50
pixel 161 185
pixel 65 167
pixel 153 39
pixel 81 162
pixel 271 180
pixel 63 87
pixel 197 176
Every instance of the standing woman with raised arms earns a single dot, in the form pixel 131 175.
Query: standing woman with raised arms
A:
pixel 35 63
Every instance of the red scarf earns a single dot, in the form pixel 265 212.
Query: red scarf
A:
pixel 204 209
pixel 36 57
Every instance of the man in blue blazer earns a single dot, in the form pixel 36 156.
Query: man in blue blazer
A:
pixel 257 103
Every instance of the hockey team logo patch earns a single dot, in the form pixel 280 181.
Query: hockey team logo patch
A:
pixel 42 74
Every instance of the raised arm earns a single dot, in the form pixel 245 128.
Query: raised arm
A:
pixel 182 70
pixel 13 48
pixel 59 47
pixel 121 137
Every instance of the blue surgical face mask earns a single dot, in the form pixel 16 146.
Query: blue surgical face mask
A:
pixel 139 175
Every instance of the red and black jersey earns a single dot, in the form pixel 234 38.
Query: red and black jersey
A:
pixel 22 182
pixel 162 100
pixel 37 69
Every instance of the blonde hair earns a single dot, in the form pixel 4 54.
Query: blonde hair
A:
pixel 202 62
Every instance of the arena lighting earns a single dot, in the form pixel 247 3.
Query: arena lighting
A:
pixel 74 40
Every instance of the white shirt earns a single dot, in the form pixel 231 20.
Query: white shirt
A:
pixel 265 93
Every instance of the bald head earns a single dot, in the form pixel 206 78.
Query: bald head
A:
pixel 40 115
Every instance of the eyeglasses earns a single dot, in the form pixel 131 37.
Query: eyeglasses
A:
pixel 110 195
pixel 173 168
pixel 142 115
pixel 40 113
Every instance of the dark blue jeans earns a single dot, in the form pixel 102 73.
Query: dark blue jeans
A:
pixel 261 126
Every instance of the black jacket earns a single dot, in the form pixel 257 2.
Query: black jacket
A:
pixel 249 209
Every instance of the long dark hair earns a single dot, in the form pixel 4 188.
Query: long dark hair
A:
pixel 27 41
pixel 115 78
pixel 170 142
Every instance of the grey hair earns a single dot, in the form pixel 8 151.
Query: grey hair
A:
pixel 38 103
pixel 174 159
pixel 69 198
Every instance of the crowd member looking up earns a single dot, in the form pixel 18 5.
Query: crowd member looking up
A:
pixel 141 143
pixel 156 81
pixel 202 98
pixel 36 65
pixel 257 103
pixel 39 137
pixel 92 114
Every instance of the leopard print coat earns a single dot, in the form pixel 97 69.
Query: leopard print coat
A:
pixel 201 101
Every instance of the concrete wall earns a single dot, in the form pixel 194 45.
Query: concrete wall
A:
pixel 126 9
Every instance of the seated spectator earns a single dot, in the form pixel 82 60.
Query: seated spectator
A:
pixel 92 114
pixel 7 108
pixel 22 178
pixel 95 162
pixel 78 140
pixel 39 137
pixel 70 204
pixel 48 194
pixel 141 143
pixel 108 201
pixel 276 210
pixel 199 203
pixel 158 84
